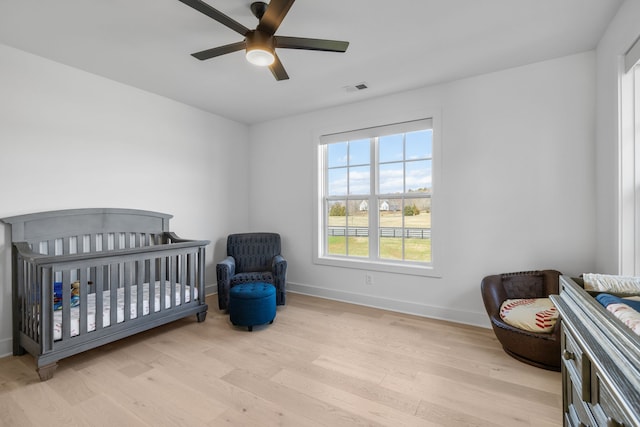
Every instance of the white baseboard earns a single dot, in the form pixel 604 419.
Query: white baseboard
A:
pixel 211 289
pixel 407 307
pixel 6 347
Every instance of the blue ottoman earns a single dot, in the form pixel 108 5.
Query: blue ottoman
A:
pixel 252 304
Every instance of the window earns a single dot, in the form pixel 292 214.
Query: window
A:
pixel 630 162
pixel 375 195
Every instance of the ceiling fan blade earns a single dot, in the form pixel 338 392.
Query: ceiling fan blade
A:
pixel 277 69
pixel 203 7
pixel 220 50
pixel 273 16
pixel 310 44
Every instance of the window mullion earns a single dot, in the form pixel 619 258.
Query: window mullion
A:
pixel 373 200
pixel 346 203
pixel 404 191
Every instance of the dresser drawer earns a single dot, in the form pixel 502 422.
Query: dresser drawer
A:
pixel 606 409
pixel 578 411
pixel 572 354
pixel 577 365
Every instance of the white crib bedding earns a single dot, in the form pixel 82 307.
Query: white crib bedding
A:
pixel 106 305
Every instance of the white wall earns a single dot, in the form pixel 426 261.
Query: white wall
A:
pixel 517 190
pixel 619 36
pixel 69 139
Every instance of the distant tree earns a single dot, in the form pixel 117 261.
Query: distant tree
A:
pixel 337 210
pixel 411 210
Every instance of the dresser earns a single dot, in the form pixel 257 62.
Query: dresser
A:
pixel 600 362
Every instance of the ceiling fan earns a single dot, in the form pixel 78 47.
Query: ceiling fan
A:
pixel 260 44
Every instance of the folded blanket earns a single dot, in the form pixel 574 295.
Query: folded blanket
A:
pixel 625 309
pixel 611 283
pixel 606 299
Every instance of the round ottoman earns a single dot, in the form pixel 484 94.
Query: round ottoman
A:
pixel 252 304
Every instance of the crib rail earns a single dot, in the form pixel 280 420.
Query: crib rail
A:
pixel 114 264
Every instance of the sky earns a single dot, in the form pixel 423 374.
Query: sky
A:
pixel 349 164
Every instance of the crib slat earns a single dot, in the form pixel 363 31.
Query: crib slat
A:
pixel 66 304
pixel 140 285
pixel 163 282
pixel 183 278
pixel 172 276
pixel 126 284
pixel 152 284
pixel 83 301
pixel 192 276
pixel 99 295
pixel 113 293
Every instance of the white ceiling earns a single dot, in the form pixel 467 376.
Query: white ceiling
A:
pixel 394 46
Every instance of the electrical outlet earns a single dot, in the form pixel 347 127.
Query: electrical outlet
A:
pixel 368 279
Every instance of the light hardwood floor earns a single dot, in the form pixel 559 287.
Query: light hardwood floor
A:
pixel 321 363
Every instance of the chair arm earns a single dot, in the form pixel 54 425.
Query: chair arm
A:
pixel 279 271
pixel 228 265
pixel 493 294
pixel 278 263
pixel 225 270
pixel 551 282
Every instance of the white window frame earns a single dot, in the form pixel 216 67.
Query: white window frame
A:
pixel 629 162
pixel 372 264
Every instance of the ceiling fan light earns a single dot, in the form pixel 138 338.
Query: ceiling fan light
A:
pixel 260 57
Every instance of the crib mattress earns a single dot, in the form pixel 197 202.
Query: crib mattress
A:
pixel 106 305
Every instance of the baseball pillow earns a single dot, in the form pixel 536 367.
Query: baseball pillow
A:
pixel 530 314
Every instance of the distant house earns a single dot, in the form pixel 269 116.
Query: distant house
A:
pixel 384 206
pixel 364 206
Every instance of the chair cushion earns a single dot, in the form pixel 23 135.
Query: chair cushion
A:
pixel 252 277
pixel 529 314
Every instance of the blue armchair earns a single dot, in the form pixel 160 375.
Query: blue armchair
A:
pixel 252 257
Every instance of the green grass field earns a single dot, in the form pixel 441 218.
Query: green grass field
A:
pixel 390 248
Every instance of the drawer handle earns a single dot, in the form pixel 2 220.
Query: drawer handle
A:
pixel 567 355
pixel 613 423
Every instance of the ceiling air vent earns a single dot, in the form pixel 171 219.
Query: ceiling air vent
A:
pixel 356 87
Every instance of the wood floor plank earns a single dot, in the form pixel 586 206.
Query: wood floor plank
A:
pixel 367 411
pixel 311 407
pixel 321 363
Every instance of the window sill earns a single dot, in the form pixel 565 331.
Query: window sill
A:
pixel 387 267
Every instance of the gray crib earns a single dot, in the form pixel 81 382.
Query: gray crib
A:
pixel 82 278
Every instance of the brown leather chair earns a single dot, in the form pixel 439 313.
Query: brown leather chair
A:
pixel 537 349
